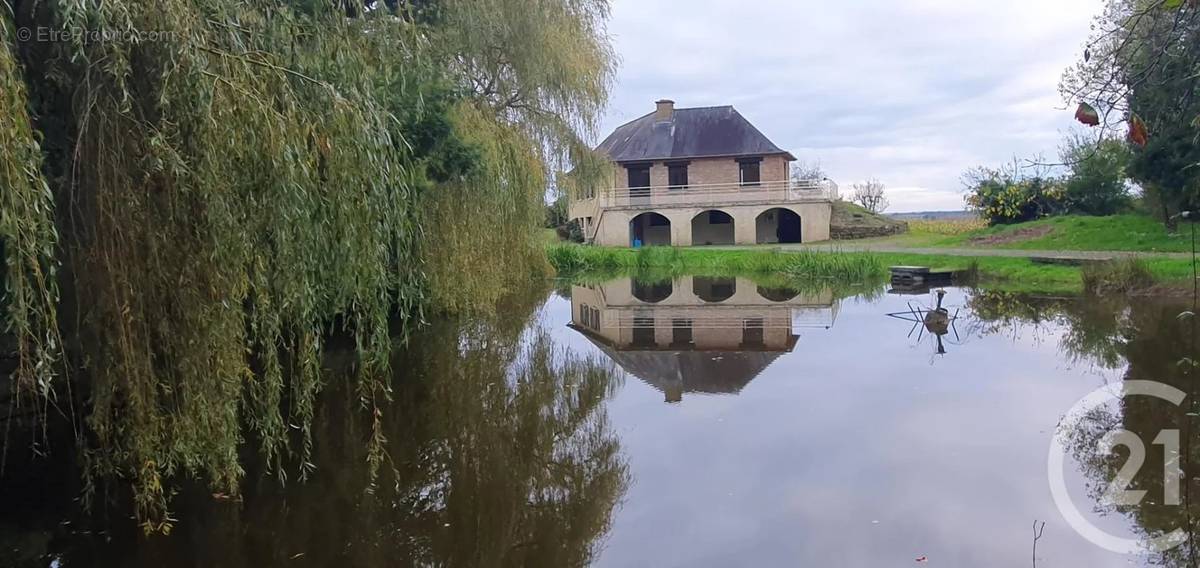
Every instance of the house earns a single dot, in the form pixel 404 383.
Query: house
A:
pixel 700 176
pixel 696 334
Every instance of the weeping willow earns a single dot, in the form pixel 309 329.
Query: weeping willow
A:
pixel 216 187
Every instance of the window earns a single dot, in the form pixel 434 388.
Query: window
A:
pixel 677 175
pixel 643 332
pixel 752 332
pixel 639 176
pixel 748 171
pixel 681 333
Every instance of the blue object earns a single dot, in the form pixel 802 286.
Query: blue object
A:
pixel 637 243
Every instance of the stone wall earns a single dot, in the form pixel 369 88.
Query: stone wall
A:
pixel 705 171
pixel 814 223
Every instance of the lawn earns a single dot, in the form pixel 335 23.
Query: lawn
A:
pixel 1068 232
pixel 1016 274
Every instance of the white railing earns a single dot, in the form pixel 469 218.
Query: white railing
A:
pixel 709 194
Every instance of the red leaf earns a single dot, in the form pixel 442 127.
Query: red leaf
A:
pixel 1137 131
pixel 1087 115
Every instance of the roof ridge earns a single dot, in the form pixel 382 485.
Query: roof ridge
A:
pixel 703 107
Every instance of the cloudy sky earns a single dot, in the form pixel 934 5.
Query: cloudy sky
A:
pixel 910 92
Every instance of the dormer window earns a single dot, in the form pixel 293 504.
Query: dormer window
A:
pixel 748 171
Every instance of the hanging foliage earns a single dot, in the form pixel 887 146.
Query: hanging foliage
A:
pixel 234 182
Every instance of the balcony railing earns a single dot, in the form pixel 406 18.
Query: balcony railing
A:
pixel 717 193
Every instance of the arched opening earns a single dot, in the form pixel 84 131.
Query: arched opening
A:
pixel 712 227
pixel 651 292
pixel 777 294
pixel 777 225
pixel 649 229
pixel 713 289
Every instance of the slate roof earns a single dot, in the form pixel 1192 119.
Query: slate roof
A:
pixel 692 133
pixel 708 372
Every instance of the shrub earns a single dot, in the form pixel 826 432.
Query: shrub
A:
pixel 1097 183
pixel 1006 195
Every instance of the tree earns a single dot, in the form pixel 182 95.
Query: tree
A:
pixel 1097 183
pixel 870 195
pixel 221 185
pixel 1138 74
pixel 808 171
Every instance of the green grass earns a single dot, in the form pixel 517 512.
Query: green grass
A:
pixel 846 268
pixel 1070 232
pixel 1000 273
pixel 548 236
pixel 668 262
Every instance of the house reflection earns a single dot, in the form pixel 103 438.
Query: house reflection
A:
pixel 696 334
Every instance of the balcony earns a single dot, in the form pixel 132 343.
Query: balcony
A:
pixel 788 191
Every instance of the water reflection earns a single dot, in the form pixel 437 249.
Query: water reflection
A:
pixel 1157 341
pixel 715 339
pixel 503 448
pixel 935 321
pixel 497 452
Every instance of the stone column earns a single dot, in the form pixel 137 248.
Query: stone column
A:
pixel 744 228
pixel 681 227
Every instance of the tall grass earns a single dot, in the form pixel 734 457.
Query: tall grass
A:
pixel 666 262
pixel 1117 276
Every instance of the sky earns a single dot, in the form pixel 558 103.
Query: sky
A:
pixel 912 93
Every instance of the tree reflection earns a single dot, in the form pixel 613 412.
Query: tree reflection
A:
pixel 1154 340
pixel 497 452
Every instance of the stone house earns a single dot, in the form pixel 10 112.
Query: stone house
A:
pixel 700 176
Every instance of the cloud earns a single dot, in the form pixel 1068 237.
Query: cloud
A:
pixel 912 92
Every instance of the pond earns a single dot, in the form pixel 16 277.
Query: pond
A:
pixel 697 421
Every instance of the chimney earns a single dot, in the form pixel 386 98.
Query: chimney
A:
pixel 664 110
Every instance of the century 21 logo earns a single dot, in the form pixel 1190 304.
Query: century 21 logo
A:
pixel 1118 492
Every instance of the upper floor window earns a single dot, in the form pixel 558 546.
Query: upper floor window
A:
pixel 749 171
pixel 752 332
pixel 677 177
pixel 639 175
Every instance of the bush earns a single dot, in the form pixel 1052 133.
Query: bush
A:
pixel 571 231
pixel 1097 183
pixel 1006 195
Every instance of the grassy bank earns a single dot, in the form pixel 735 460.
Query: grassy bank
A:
pixel 850 268
pixel 1138 233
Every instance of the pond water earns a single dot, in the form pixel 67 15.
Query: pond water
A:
pixel 701 422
